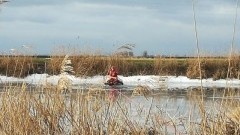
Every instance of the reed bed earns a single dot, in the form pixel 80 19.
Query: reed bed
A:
pixel 170 66
pixel 90 65
pixel 86 65
pixel 49 111
pixel 18 66
pixel 57 113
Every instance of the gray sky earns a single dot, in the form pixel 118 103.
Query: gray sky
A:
pixel 157 26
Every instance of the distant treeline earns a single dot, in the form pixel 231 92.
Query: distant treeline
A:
pixel 150 56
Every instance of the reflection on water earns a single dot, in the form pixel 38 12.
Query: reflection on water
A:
pixel 113 94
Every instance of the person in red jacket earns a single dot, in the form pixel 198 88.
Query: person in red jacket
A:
pixel 112 75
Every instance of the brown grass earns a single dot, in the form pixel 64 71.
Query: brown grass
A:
pixel 170 66
pixel 90 65
pixel 48 111
pixel 56 113
pixel 18 66
pixel 223 117
pixel 213 68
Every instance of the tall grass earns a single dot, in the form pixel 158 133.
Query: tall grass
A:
pixel 48 111
pixel 90 65
pixel 233 41
pixel 170 66
pixel 56 113
pixel 18 66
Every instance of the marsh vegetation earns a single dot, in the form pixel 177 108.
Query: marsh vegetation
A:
pixel 90 65
pixel 99 111
pixel 50 109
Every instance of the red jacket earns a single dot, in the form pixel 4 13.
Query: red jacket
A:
pixel 112 73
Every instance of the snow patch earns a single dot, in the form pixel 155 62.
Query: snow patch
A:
pixel 149 80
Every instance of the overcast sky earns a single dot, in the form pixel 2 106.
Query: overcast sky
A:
pixel 156 26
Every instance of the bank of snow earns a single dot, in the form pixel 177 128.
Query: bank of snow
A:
pixel 149 80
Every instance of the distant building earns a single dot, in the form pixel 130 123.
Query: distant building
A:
pixel 125 50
